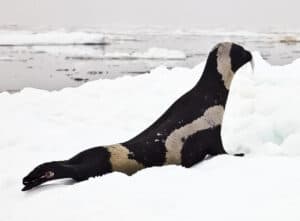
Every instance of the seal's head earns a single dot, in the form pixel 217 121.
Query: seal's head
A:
pixel 39 175
pixel 226 58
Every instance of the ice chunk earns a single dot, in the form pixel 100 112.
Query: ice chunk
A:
pixel 50 38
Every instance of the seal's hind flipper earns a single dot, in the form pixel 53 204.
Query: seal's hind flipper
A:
pixel 239 155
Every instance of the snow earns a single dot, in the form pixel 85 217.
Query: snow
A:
pixel 261 119
pixel 57 37
pixel 6 58
pixel 83 51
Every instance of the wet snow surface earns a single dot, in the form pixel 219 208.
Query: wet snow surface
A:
pixel 261 119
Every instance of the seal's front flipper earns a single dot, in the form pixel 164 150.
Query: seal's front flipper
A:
pixel 239 155
pixel 46 172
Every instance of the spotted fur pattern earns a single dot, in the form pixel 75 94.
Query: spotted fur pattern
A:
pixel 184 135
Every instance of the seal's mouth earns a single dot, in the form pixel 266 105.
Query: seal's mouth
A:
pixel 248 57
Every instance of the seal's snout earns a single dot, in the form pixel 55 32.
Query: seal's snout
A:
pixel 38 176
pixel 247 56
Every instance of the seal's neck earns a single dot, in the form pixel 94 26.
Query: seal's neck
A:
pixel 215 81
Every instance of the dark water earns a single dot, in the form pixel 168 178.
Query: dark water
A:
pixel 53 66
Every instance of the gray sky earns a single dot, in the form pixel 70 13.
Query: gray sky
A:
pixel 62 13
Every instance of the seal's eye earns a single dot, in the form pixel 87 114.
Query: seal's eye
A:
pixel 48 175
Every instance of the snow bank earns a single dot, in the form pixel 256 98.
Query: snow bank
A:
pixel 83 51
pixel 262 114
pixel 160 53
pixel 14 38
pixel 261 119
pixel 151 54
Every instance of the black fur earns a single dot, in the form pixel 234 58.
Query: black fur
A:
pixel 148 148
